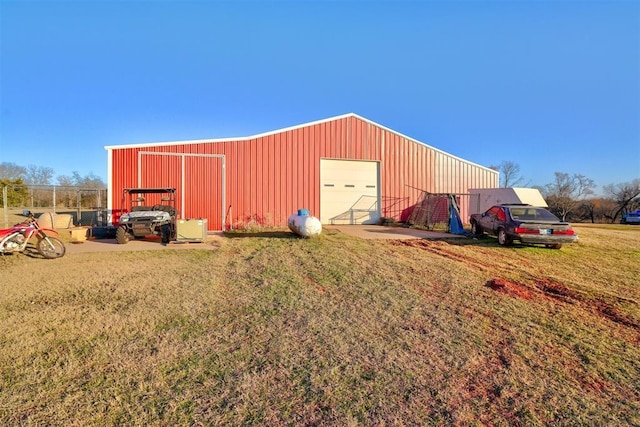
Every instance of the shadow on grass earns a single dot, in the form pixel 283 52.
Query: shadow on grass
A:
pixel 30 251
pixel 491 241
pixel 262 234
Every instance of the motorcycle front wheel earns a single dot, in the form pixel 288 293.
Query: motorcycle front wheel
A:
pixel 51 247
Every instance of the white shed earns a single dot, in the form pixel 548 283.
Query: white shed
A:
pixel 483 198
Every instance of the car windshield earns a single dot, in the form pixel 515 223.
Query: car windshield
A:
pixel 528 213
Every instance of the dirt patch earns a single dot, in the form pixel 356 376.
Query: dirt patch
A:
pixel 442 249
pixel 603 308
pixel 612 313
pixel 510 288
pixel 313 282
pixel 540 289
pixel 558 292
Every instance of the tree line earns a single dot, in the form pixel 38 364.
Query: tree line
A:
pixel 27 186
pixel 571 197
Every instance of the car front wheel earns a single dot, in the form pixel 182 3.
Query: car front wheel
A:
pixel 503 237
pixel 122 236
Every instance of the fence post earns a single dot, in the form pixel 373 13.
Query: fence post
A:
pixel 78 208
pixel 5 199
pixel 54 199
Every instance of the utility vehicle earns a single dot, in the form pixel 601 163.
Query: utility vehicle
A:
pixel 147 211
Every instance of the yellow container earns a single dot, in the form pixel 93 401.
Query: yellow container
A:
pixel 191 230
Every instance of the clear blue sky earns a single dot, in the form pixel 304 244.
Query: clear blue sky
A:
pixel 552 86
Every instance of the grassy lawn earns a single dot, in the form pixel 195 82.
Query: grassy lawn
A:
pixel 270 329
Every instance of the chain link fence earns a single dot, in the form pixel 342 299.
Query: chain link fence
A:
pixel 432 210
pixel 87 206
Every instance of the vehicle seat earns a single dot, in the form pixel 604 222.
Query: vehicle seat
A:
pixel 170 210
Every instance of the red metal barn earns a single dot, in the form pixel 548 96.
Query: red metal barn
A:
pixel 344 169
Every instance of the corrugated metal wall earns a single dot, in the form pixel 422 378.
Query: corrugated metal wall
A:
pixel 271 176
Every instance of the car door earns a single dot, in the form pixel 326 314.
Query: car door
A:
pixel 500 219
pixel 490 220
pixel 486 221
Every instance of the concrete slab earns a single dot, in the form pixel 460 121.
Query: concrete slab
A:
pixel 391 233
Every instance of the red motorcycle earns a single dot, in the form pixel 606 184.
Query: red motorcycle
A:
pixel 16 238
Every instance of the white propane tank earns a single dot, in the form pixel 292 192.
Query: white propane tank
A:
pixel 304 224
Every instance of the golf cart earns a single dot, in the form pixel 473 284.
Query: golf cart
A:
pixel 148 211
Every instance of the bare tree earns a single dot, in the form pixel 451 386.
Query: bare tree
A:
pixel 588 208
pixel 565 194
pixel 38 175
pixel 67 197
pixel 11 171
pixel 89 181
pixel 33 178
pixel 83 186
pixel 626 196
pixel 596 209
pixel 509 173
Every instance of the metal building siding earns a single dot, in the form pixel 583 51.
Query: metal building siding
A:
pixel 271 176
pixel 203 192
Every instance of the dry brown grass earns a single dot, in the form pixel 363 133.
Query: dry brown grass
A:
pixel 272 329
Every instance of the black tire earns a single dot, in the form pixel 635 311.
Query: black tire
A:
pixel 166 233
pixel 51 247
pixel 122 235
pixel 503 237
pixel 476 230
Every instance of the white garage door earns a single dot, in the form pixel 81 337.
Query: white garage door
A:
pixel 349 192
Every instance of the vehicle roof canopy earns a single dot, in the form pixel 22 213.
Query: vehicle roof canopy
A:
pixel 149 190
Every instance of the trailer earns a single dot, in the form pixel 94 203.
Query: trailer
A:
pixel 482 199
pixel 631 217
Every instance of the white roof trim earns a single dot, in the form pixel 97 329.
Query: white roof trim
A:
pixel 240 138
pixel 273 132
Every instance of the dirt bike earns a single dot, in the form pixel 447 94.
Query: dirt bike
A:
pixel 16 238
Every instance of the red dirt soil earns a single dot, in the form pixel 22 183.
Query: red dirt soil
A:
pixel 510 288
